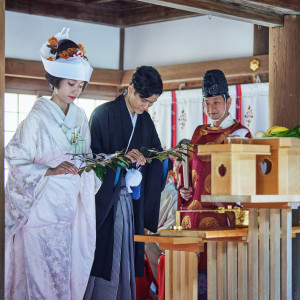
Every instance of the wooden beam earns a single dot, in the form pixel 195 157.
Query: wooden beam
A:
pixel 286 6
pixel 121 52
pixel 153 14
pixel 198 83
pixel 34 86
pixel 67 10
pixel 195 71
pixel 28 76
pixel 284 101
pixel 2 197
pixel 105 12
pixel 98 1
pixel 236 10
pixel 35 70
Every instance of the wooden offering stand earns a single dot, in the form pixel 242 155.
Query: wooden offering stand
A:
pixel 236 258
pixel 279 172
pixel 233 167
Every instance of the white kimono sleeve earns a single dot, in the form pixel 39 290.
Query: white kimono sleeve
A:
pixel 26 177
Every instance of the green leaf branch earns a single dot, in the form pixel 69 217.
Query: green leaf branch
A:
pixel 99 163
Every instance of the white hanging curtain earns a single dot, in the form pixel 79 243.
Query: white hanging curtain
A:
pixel 189 113
pixel 160 113
pixel 254 111
pixel 255 106
pixel 232 94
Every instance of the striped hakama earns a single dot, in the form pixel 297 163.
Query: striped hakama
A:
pixel 122 284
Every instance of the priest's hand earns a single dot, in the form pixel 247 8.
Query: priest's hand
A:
pixel 63 168
pixel 186 194
pixel 136 156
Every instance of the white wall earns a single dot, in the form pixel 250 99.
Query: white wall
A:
pixel 25 34
pixel 173 42
pixel 187 40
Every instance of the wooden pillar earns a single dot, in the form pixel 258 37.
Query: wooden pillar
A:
pixel 295 257
pixel 275 254
pixel 242 271
pixel 232 274
pixel 253 254
pixel 263 254
pixel 212 271
pixel 286 254
pixel 2 84
pixel 221 271
pixel 284 63
pixel 121 53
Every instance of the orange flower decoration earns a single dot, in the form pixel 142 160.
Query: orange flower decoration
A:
pixel 81 48
pixel 71 51
pixel 53 41
pixel 64 54
pixel 50 58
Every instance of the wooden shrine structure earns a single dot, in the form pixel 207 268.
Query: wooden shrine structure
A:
pixel 247 262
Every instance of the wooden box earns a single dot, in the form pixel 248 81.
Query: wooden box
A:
pixel 233 167
pixel 279 173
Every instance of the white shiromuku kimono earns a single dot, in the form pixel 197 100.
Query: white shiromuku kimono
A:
pixel 50 220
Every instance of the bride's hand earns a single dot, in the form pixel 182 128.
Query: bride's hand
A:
pixel 63 168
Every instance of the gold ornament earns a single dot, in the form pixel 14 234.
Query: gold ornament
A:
pixel 254 64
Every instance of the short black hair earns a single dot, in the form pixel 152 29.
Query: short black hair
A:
pixel 184 141
pixel 147 81
pixel 53 81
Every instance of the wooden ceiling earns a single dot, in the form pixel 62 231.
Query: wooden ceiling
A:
pixel 125 13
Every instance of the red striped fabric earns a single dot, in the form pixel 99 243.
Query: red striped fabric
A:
pixel 204 117
pixel 173 120
pixel 239 103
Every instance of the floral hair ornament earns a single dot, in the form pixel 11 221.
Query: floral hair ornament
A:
pixel 71 63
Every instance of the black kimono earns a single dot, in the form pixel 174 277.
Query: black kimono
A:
pixel 111 127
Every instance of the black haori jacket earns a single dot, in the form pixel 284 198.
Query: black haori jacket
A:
pixel 111 128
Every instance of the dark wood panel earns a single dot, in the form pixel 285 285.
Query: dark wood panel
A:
pixel 121 50
pixel 195 71
pixel 105 81
pixel 40 87
pixel 287 6
pixel 114 13
pixel 153 14
pixel 261 40
pixel 106 77
pixel 284 97
pixel 130 12
pixel 35 70
pixel 24 68
pixel 238 10
pixel 66 10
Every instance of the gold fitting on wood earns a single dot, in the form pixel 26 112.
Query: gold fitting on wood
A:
pixel 254 64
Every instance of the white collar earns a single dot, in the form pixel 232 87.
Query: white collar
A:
pixel 227 122
pixel 62 119
pixel 133 118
